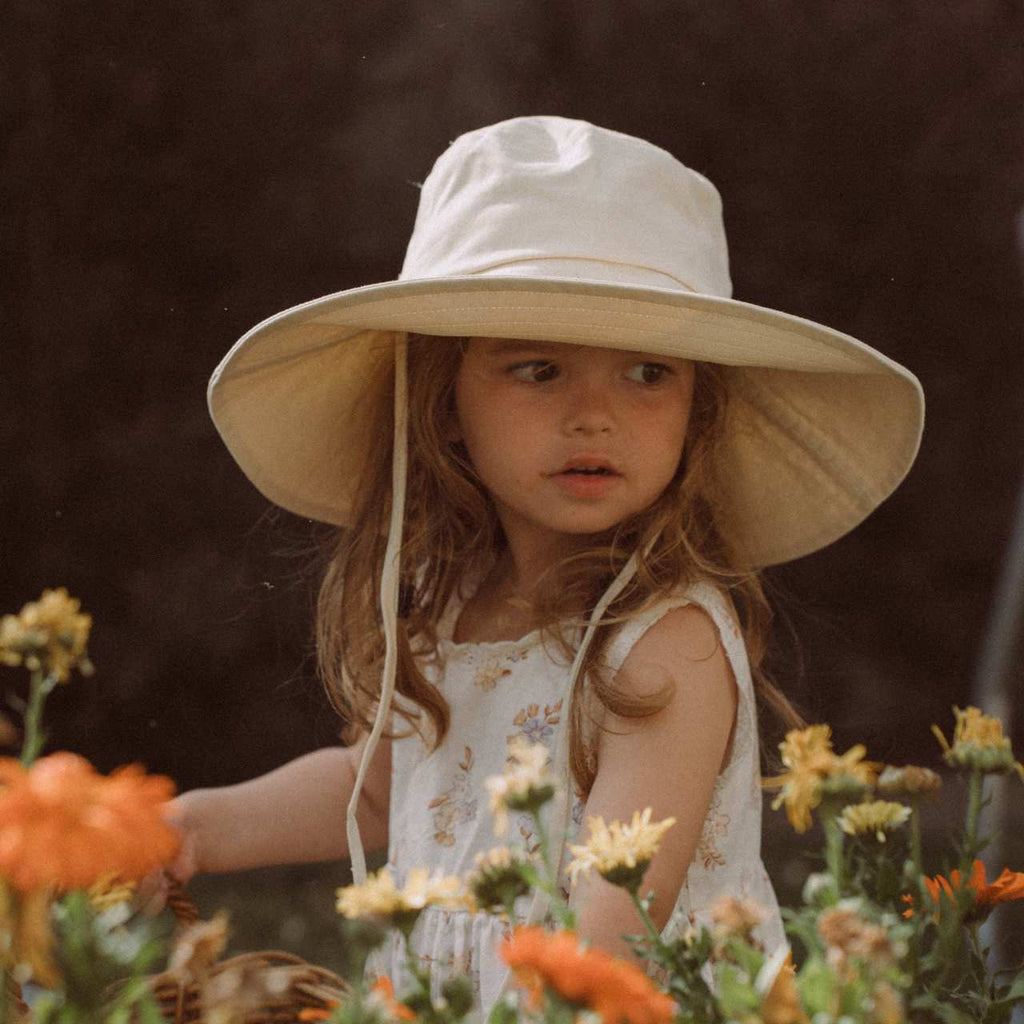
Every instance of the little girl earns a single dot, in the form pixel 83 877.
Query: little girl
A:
pixel 559 453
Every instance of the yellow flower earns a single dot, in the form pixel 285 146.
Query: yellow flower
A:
pixel 878 816
pixel 49 634
pixel 26 938
pixel 978 744
pixel 110 889
pixel 815 770
pixel 379 896
pixel 621 853
pixel 497 879
pixel 525 785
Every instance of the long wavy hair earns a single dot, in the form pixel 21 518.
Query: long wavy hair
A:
pixel 451 526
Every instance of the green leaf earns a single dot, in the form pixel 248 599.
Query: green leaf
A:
pixel 1011 995
pixel 736 994
pixel 817 986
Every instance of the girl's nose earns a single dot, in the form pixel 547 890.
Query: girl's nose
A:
pixel 589 411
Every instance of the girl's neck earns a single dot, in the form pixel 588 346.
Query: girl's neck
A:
pixel 503 605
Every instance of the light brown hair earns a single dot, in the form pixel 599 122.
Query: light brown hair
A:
pixel 451 525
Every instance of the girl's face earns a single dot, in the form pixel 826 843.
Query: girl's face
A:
pixel 570 440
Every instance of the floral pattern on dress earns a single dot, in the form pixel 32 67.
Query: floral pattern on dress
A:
pixel 578 807
pixel 488 674
pixel 456 804
pixel 530 842
pixel 496 668
pixel 530 696
pixel 537 727
pixel 715 827
pixel 458 963
pixel 461 964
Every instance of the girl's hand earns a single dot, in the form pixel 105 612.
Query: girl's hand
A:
pixel 151 895
pixel 186 864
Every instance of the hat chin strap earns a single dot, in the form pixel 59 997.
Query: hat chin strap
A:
pixel 388 602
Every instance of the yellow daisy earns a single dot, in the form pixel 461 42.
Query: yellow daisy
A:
pixel 816 770
pixel 49 634
pixel 620 853
pixel 525 785
pixel 878 816
pixel 497 879
pixel 379 896
pixel 978 743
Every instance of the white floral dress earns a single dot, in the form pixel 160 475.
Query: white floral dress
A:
pixel 440 818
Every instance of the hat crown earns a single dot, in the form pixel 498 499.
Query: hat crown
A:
pixel 552 197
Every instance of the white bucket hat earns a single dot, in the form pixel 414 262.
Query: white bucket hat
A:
pixel 549 229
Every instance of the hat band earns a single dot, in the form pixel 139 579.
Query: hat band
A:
pixel 575 269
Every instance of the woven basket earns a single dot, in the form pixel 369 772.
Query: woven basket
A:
pixel 268 987
pixel 291 986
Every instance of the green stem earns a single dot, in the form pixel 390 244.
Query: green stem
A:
pixel 833 847
pixel 420 977
pixel 652 928
pixel 919 892
pixel 975 792
pixel 510 912
pixel 915 837
pixel 41 687
pixel 549 878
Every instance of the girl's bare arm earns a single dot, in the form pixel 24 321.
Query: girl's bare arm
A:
pixel 292 815
pixel 668 762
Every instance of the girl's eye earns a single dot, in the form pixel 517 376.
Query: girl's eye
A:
pixel 538 371
pixel 648 373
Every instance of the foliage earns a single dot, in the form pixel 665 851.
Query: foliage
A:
pixel 875 940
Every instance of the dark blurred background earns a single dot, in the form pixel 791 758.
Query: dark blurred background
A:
pixel 173 173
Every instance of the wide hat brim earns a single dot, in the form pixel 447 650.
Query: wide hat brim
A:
pixel 821 428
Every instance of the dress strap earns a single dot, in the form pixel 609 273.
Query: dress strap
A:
pixel 712 601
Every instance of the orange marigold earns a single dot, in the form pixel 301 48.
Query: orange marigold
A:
pixel 64 824
pixel 614 989
pixel 385 988
pixel 1008 886
pixel 781 1003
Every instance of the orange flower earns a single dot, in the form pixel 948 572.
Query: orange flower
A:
pixel 384 992
pixel 614 989
pixel 1007 887
pixel 385 988
pixel 781 1003
pixel 317 1013
pixel 64 824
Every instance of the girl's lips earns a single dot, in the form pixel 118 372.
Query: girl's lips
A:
pixel 586 485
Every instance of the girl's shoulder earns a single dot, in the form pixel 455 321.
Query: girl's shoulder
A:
pixel 712 600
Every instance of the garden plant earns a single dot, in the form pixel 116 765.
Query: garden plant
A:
pixel 876 939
